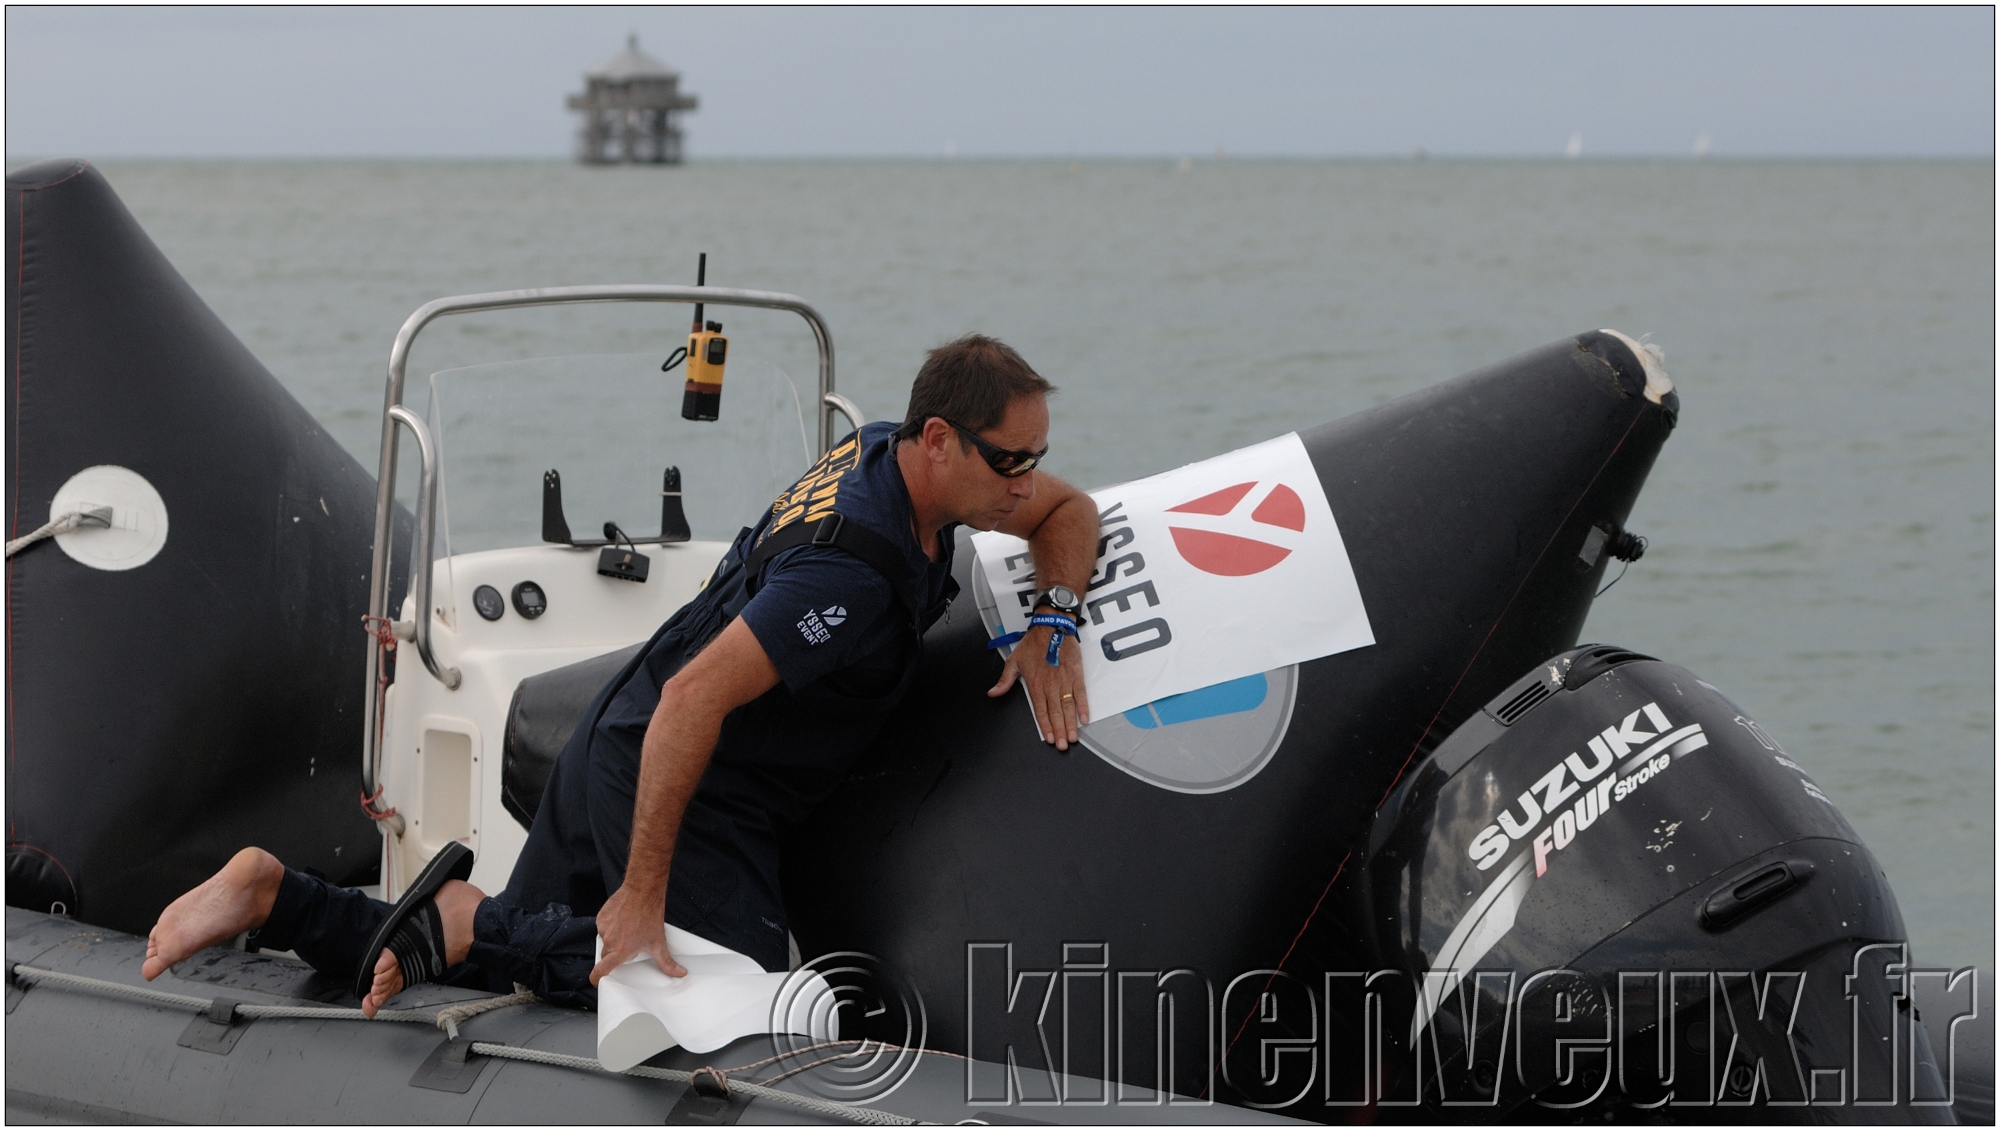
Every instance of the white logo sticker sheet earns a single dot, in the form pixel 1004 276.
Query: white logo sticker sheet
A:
pixel 1210 572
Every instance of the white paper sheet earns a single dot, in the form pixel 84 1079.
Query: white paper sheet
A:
pixel 641 1012
pixel 1206 573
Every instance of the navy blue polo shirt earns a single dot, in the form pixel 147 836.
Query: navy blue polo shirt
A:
pixel 846 653
pixel 824 614
pixel 832 625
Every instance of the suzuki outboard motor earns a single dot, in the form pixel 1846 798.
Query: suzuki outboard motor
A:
pixel 1611 894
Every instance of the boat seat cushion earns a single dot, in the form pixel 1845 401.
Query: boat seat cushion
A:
pixel 544 713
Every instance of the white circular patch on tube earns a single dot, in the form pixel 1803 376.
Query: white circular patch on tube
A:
pixel 1206 741
pixel 138 527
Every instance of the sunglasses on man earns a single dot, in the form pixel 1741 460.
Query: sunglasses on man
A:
pixel 1011 464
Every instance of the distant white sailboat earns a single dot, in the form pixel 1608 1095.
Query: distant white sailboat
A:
pixel 1575 148
pixel 1701 145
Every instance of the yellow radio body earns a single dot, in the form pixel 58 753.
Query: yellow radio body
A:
pixel 708 353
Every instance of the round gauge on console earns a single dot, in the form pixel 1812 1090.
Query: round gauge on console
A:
pixel 487 601
pixel 529 600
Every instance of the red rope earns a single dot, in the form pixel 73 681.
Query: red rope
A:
pixel 368 806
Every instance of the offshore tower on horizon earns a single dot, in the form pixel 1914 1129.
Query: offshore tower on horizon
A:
pixel 629 104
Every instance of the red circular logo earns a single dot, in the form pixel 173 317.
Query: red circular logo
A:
pixel 1233 555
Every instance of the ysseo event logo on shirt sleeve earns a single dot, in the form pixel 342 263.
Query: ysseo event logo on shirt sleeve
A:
pixel 1208 573
pixel 818 624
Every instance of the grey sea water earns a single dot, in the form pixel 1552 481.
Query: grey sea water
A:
pixel 1821 523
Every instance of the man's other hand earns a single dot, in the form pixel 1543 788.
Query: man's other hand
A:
pixel 1061 707
pixel 1060 524
pixel 632 924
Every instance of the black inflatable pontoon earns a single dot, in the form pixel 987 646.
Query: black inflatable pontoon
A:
pixel 161 717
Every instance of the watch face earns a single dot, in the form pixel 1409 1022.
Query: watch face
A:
pixel 1063 597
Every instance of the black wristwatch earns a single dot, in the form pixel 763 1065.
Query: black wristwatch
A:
pixel 1062 599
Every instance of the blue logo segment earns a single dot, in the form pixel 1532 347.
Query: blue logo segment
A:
pixel 1231 698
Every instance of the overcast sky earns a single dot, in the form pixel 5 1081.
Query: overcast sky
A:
pixel 473 82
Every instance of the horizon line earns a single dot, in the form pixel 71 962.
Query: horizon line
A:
pixel 1212 158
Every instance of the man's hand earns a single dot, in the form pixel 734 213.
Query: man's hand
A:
pixel 1060 524
pixel 630 924
pixel 1056 693
pixel 730 672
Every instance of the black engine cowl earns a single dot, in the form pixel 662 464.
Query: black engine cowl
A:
pixel 1611 894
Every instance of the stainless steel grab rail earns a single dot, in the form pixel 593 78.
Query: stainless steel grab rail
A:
pixel 420 585
pixel 847 408
pixel 385 481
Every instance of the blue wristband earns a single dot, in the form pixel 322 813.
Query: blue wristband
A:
pixel 1057 621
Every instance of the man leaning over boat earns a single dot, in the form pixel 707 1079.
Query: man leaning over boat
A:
pixel 740 715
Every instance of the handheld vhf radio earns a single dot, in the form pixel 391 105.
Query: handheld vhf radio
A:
pixel 706 352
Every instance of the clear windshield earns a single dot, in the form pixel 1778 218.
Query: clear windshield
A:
pixel 611 424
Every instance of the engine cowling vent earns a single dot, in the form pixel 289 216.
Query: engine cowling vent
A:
pixel 1593 660
pixel 1523 702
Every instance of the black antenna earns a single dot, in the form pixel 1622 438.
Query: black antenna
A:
pixel 700 280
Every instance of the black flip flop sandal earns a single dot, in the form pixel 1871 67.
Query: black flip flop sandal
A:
pixel 414 930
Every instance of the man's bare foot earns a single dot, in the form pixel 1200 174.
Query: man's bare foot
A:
pixel 234 900
pixel 456 901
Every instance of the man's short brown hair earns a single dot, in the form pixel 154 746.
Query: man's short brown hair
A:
pixel 970 382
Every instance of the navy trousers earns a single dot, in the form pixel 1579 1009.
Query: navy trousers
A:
pixel 551 952
pixel 724 884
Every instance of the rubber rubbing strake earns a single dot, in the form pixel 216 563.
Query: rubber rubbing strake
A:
pixel 451 1067
pixel 708 1102
pixel 23 975
pixel 215 1029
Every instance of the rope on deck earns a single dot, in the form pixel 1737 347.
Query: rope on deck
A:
pixel 712 1080
pixel 34 974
